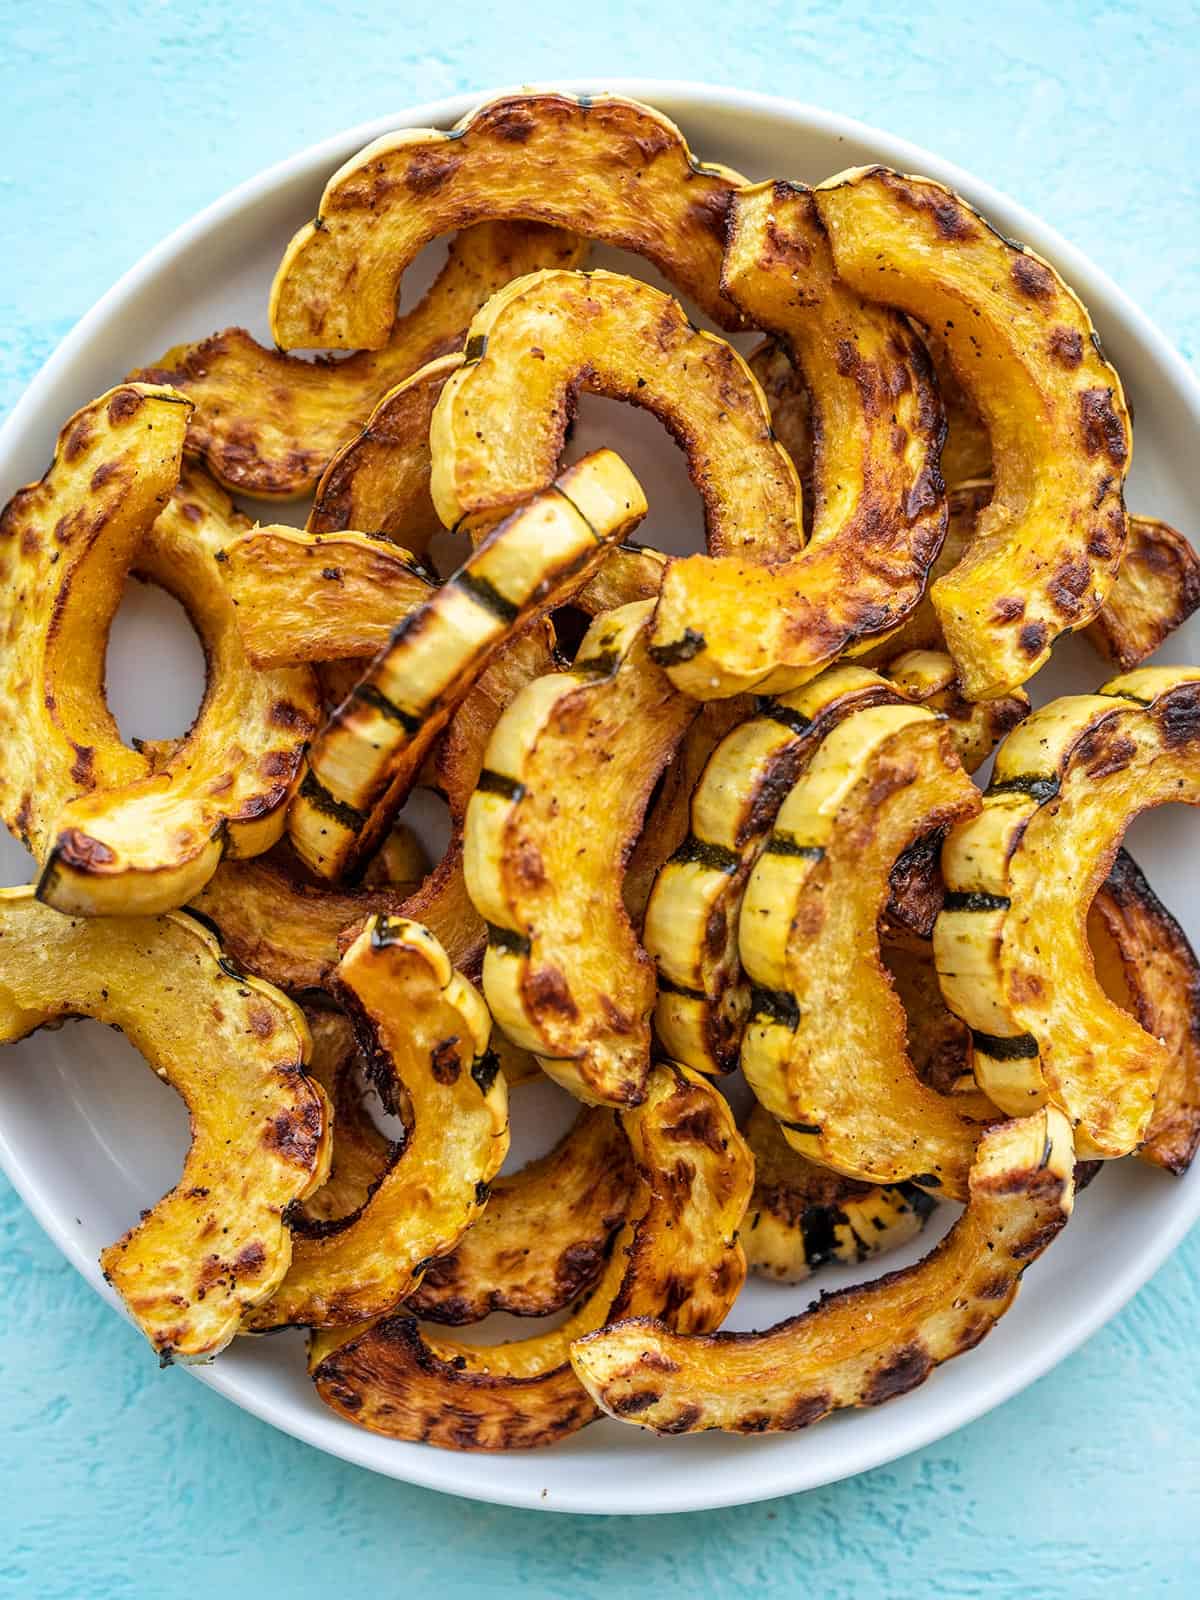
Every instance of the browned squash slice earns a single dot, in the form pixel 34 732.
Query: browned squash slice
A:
pixel 1146 964
pixel 676 1257
pixel 1157 590
pixel 500 423
pixel 603 167
pixel 423 1031
pixel 567 777
pixel 1050 541
pixel 359 1153
pixel 825 1045
pixel 1011 943
pixel 545 1236
pixel 147 845
pixel 939 1045
pixel 402 859
pixel 66 545
pixel 370 752
pixel 235 1049
pixel 802 1217
pixel 879 511
pixel 266 424
pixel 929 678
pixel 857 1347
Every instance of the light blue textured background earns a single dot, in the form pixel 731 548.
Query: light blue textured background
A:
pixel 117 121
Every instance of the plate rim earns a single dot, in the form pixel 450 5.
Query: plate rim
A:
pixel 443 1470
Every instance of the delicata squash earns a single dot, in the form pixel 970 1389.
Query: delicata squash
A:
pixel 825 1047
pixel 567 776
pixel 267 424
pixel 500 422
pixel 601 166
pixel 423 1031
pixel 217 1245
pixel 369 753
pixel 1011 941
pixel 66 544
pixel 676 1257
pixel 802 1216
pixel 878 506
pixel 860 1346
pixel 1050 540
pixel 150 844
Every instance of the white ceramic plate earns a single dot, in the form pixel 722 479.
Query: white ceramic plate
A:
pixel 89 1136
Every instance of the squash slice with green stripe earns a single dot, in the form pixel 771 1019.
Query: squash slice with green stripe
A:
pixel 1011 943
pixel 366 759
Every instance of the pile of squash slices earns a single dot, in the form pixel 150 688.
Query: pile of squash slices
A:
pixel 707 814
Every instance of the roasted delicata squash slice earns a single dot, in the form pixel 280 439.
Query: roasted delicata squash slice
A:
pixel 1050 540
pixel 1157 590
pixel 692 914
pixel 566 780
pixel 878 506
pixel 803 1217
pixel 861 1346
pixel 1145 963
pixel 267 424
pixel 423 1030
pixel 217 1245
pixel 1011 942
pixel 676 1257
pixel 603 167
pixel 149 845
pixel 370 752
pixel 359 1153
pixel 939 1044
pixel 545 1236
pixel 66 545
pixel 500 422
pixel 825 1045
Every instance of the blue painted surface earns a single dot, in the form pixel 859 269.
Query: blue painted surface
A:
pixel 119 121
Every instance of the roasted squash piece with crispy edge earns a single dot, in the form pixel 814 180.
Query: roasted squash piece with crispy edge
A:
pixel 602 166
pixel 878 503
pixel 1157 590
pixel 939 1045
pixel 149 845
pixel 1050 541
pixel 235 1049
pixel 1011 942
pixel 370 752
pixel 825 1046
pixel 692 913
pixel 423 1031
pixel 676 1257
pixel 500 422
pixel 861 1346
pixel 802 1217
pixel 1145 963
pixel 567 777
pixel 267 424
pixel 545 1236
pixel 359 1153
pixel 66 544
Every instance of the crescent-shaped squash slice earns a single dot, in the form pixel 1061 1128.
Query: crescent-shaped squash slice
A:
pixel 1157 590
pixel 266 424
pixel 1011 942
pixel 149 845
pixel 601 166
pixel 500 422
pixel 676 1257
pixel 1145 963
pixel 856 1347
pixel 423 1031
pixel 545 1236
pixel 802 1216
pixel 878 505
pixel 1050 540
pixel 66 544
pixel 692 914
pixel 825 1046
pixel 235 1049
pixel 567 777
pixel 370 752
